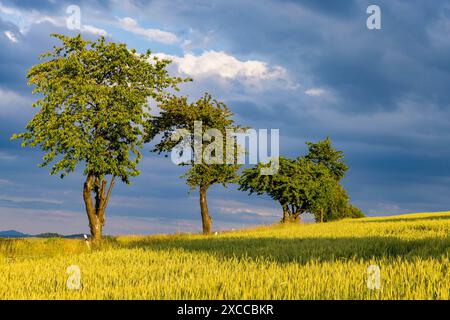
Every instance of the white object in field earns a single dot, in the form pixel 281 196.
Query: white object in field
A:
pixel 87 241
pixel 216 233
pixel 373 277
pixel 74 280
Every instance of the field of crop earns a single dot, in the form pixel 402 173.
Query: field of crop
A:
pixel 310 261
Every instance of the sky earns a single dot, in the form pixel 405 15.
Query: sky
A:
pixel 309 68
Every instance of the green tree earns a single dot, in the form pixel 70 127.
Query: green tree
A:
pixel 324 152
pixel 203 120
pixel 93 110
pixel 331 201
pixel 309 183
pixel 352 212
pixel 253 182
pixel 294 185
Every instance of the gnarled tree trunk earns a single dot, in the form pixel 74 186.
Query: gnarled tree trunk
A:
pixel 206 219
pixel 286 213
pixel 296 217
pixel 296 212
pixel 291 213
pixel 96 212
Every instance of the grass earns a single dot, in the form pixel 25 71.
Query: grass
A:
pixel 313 261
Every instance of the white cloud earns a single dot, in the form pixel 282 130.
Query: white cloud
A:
pixel 13 104
pixel 315 92
pixel 246 210
pixel 4 181
pixel 61 23
pixel 15 199
pixel 25 19
pixel 157 35
pixel 6 156
pixel 383 209
pixel 225 66
pixel 93 30
pixel 237 208
pixel 8 10
pixel 11 36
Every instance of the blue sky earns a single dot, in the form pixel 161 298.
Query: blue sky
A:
pixel 309 68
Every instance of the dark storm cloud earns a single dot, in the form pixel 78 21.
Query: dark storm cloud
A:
pixel 17 58
pixel 328 44
pixel 13 60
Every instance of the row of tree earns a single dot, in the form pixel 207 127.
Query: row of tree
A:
pixel 94 111
pixel 308 183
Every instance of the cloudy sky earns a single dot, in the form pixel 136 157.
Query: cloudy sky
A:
pixel 309 68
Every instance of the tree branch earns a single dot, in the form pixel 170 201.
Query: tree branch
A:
pixel 111 185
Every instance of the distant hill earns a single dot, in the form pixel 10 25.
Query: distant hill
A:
pixel 13 234
pixel 17 234
pixel 48 235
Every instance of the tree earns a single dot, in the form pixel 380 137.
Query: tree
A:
pixel 352 212
pixel 309 183
pixel 331 201
pixel 203 120
pixel 323 152
pixel 335 206
pixel 293 186
pixel 253 182
pixel 94 111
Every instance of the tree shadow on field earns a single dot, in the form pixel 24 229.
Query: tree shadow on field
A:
pixel 284 250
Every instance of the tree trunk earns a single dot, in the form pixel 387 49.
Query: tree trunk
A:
pixel 96 212
pixel 286 213
pixel 96 228
pixel 206 219
pixel 321 215
pixel 296 216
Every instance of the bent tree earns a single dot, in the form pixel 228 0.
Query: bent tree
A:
pixel 93 111
pixel 203 120
pixel 309 183
pixel 293 186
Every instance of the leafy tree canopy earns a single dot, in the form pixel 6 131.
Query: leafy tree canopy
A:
pixel 94 105
pixel 323 152
pixel 178 113
pixel 307 184
pixel 295 186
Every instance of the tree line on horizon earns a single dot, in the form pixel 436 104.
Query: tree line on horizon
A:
pixel 94 110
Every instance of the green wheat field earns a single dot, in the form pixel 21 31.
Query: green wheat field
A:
pixel 296 261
